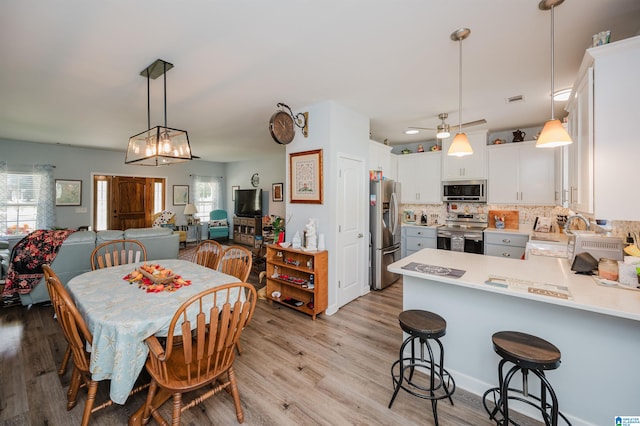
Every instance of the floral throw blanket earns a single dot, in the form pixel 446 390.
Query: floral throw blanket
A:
pixel 36 249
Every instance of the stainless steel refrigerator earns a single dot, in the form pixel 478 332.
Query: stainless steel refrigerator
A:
pixel 385 231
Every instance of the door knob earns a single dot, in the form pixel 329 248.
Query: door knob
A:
pixel 360 235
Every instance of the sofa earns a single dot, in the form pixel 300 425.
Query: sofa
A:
pixel 73 257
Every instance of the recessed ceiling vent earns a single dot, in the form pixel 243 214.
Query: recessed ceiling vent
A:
pixel 518 98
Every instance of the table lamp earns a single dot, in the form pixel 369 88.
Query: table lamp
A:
pixel 189 211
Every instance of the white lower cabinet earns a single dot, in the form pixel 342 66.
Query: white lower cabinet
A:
pixel 419 175
pixel 520 173
pixel 505 244
pixel 418 238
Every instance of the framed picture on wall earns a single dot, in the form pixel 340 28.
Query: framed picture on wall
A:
pixel 180 195
pixel 276 192
pixel 305 169
pixel 68 192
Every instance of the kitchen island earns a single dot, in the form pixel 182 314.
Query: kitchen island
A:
pixel 596 328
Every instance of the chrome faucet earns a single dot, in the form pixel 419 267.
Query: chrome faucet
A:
pixel 570 220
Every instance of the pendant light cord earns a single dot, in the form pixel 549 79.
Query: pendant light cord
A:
pixel 460 90
pixel 552 59
pixel 164 64
pixel 148 102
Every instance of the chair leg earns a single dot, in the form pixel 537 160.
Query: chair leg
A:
pixel 65 361
pixel 74 386
pixel 88 406
pixel 177 409
pixel 238 348
pixel 146 414
pixel 236 395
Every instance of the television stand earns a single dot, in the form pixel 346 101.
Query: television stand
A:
pixel 245 230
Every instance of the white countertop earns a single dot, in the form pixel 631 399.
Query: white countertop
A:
pixel 419 225
pixel 587 295
pixel 521 231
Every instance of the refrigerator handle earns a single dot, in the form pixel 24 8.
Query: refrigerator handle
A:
pixel 391 251
pixel 393 212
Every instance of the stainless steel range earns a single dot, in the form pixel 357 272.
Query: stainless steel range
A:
pixel 463 232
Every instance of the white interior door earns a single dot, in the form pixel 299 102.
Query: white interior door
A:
pixel 352 212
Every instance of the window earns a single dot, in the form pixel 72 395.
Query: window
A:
pixel 206 193
pixel 26 199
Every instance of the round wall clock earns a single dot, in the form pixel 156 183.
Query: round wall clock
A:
pixel 282 127
pixel 255 180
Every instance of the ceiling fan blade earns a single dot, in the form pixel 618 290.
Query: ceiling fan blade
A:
pixel 422 128
pixel 470 123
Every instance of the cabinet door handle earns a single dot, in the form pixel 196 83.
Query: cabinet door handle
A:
pixel 419 232
pixel 506 241
pixel 506 255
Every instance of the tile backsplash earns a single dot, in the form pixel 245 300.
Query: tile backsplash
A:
pixel 528 214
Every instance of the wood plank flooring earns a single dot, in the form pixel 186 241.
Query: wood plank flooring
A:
pixel 293 371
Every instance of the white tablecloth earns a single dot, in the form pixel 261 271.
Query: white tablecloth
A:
pixel 121 316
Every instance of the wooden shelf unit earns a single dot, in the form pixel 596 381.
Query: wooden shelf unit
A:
pixel 309 263
pixel 245 230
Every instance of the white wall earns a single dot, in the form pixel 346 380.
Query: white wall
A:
pixel 77 163
pixel 334 129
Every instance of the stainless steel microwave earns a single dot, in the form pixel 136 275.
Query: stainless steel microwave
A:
pixel 465 191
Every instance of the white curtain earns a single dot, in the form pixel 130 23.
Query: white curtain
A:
pixel 4 196
pixel 206 193
pixel 44 193
pixel 46 211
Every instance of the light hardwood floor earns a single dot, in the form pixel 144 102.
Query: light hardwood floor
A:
pixel 293 371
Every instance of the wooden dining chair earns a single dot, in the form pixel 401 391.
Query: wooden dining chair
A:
pixel 214 319
pixel 117 252
pixel 236 261
pixel 208 253
pixel 79 338
pixel 48 272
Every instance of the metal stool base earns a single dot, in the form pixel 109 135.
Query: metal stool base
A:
pixel 439 384
pixel 548 410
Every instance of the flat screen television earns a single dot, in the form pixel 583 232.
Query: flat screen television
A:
pixel 248 202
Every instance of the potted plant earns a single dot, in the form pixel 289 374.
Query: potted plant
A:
pixel 277 224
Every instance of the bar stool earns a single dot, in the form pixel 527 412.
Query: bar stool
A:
pixel 527 353
pixel 422 326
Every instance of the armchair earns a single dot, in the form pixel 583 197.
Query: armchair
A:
pixel 167 219
pixel 218 225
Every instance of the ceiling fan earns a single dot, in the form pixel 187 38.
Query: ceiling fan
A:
pixel 443 128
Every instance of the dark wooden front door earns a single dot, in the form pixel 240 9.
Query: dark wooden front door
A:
pixel 130 202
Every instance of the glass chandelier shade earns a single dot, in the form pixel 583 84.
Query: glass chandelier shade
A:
pixel 553 133
pixel 159 145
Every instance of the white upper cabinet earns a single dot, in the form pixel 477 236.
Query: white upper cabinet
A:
pixel 602 114
pixel 419 175
pixel 472 166
pixel 520 173
pixel 381 158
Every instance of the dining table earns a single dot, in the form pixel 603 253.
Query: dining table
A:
pixel 121 315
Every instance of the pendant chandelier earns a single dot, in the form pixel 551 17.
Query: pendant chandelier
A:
pixel 160 145
pixel 460 145
pixel 553 133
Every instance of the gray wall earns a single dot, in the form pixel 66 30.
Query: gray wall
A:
pixel 81 163
pixel 271 170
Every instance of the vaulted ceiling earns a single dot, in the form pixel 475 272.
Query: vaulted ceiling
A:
pixel 70 68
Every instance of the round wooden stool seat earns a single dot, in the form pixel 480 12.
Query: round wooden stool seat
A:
pixel 526 350
pixel 524 353
pixel 423 324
